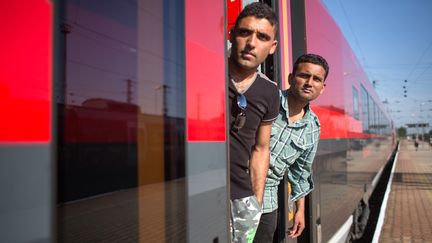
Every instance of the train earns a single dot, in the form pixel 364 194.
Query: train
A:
pixel 115 126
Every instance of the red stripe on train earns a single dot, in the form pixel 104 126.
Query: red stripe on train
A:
pixel 25 73
pixel 205 72
pixel 335 123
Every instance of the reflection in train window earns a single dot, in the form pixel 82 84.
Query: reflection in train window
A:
pixel 365 109
pixel 121 160
pixel 355 103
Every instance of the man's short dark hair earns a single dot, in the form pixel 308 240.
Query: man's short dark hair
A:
pixel 259 10
pixel 312 58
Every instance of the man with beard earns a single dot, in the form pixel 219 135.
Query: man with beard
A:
pixel 253 106
pixel 293 144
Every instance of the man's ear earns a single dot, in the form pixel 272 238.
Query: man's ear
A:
pixel 273 48
pixel 290 79
pixel 322 90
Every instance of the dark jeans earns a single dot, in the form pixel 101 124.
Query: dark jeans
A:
pixel 266 228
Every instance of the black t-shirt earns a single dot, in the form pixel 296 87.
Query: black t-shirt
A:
pixel 262 105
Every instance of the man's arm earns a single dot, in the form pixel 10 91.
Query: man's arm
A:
pixel 301 172
pixel 299 219
pixel 260 159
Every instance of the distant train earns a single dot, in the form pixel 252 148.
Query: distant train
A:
pixel 120 132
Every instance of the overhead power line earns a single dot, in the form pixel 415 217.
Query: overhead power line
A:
pixel 418 61
pixel 353 33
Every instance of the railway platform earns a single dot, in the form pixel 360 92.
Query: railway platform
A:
pixel 408 215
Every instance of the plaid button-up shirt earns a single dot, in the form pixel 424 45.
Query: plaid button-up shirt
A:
pixel 293 148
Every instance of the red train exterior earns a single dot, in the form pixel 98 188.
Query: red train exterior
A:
pixel 115 123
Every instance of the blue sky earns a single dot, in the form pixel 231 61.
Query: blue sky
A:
pixel 393 42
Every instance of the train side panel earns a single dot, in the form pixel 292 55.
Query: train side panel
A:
pixel 356 140
pixel 27 179
pixel 143 151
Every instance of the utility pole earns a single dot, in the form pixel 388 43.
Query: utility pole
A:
pixel 128 91
pixel 165 96
pixel 164 89
pixel 65 29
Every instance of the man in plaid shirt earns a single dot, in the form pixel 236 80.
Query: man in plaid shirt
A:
pixel 293 143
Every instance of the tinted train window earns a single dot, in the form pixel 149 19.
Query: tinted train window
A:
pixel 121 106
pixel 365 109
pixel 372 115
pixel 355 104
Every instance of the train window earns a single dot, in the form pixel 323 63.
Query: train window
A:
pixel 355 103
pixel 376 117
pixel 372 115
pixel 121 159
pixel 365 109
pixel 383 123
